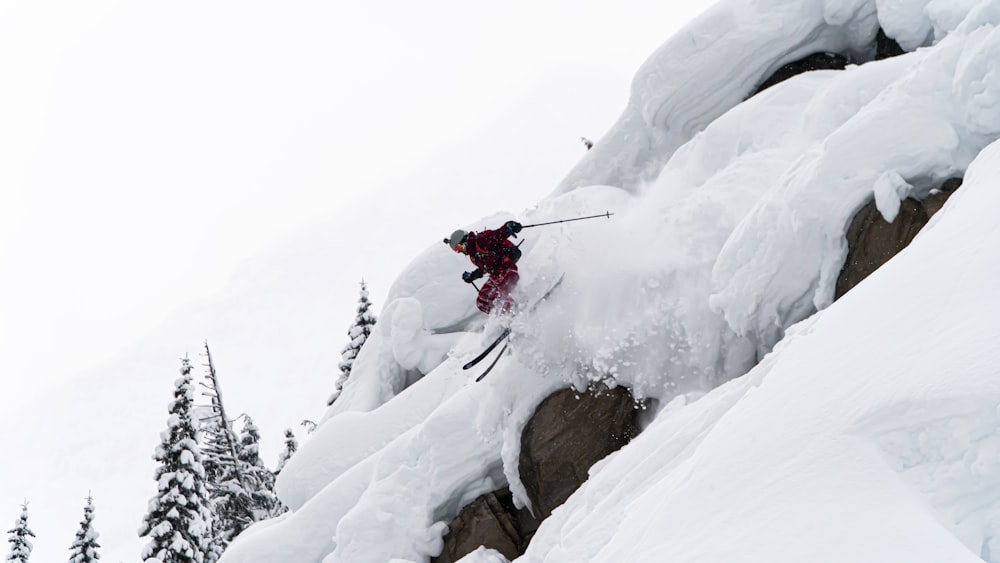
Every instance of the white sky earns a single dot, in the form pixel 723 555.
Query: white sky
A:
pixel 147 149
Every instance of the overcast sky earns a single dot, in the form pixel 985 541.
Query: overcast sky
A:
pixel 147 149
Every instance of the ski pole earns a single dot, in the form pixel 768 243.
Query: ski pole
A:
pixel 607 214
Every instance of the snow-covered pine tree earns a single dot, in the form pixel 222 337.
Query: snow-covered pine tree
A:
pixel 291 446
pixel 358 334
pixel 227 483
pixel 20 545
pixel 260 479
pixel 84 548
pixel 214 457
pixel 179 518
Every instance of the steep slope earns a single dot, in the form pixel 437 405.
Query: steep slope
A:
pixel 729 229
pixel 870 434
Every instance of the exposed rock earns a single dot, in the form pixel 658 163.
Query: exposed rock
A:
pixel 934 202
pixel 568 433
pixel 886 46
pixel 492 521
pixel 815 61
pixel 871 241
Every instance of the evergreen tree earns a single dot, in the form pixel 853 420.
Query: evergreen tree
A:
pixel 20 545
pixel 227 482
pixel 179 519
pixel 260 479
pixel 309 425
pixel 291 446
pixel 84 549
pixel 358 334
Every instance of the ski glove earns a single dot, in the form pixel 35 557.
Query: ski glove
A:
pixel 469 277
pixel 513 227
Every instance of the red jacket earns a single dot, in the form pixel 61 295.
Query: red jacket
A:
pixel 491 252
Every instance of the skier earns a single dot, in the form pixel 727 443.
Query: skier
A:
pixel 492 253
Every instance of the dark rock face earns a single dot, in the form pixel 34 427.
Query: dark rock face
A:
pixel 568 433
pixel 490 520
pixel 934 202
pixel 886 46
pixel 871 241
pixel 816 61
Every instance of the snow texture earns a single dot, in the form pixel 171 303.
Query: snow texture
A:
pixel 484 555
pixel 784 423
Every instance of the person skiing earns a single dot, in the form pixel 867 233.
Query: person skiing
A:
pixel 494 254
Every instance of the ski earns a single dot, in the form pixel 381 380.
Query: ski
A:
pixel 488 349
pixel 505 334
pixel 493 363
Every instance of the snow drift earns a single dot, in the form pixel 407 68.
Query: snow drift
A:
pixel 870 433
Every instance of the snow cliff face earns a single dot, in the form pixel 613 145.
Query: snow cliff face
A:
pixel 870 433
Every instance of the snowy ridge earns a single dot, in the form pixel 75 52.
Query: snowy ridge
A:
pixel 709 67
pixel 874 419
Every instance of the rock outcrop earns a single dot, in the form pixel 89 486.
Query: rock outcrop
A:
pixel 935 201
pixel 492 521
pixel 566 435
pixel 872 241
pixel 884 48
pixel 815 61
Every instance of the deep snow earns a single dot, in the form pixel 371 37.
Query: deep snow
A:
pixel 869 434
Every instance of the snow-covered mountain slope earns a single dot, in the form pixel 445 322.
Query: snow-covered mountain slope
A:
pixel 869 434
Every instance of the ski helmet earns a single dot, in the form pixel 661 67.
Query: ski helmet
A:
pixel 456 239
